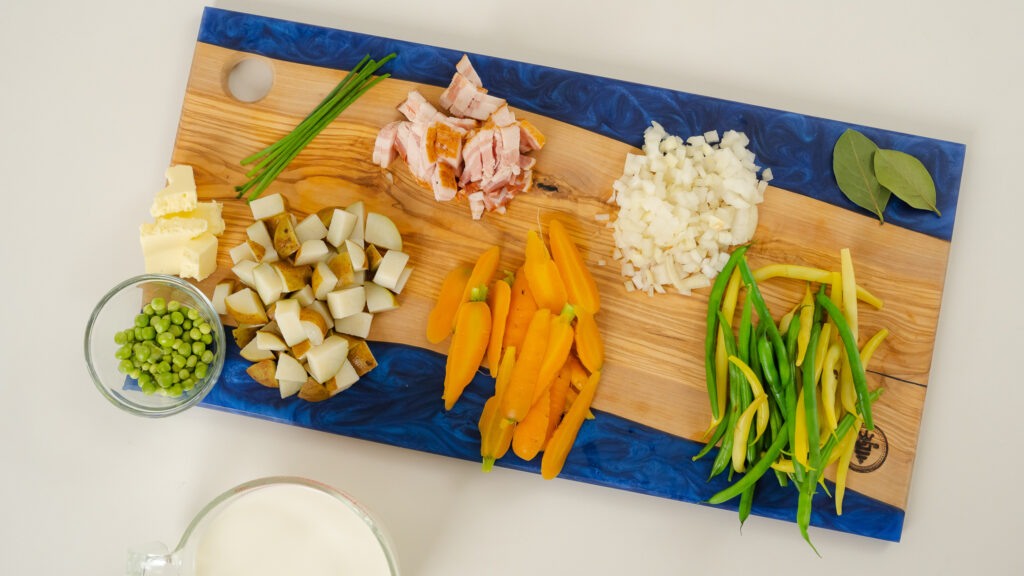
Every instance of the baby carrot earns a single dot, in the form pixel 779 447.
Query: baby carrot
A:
pixel 589 345
pixel 542 273
pixel 519 395
pixel 483 270
pixel 531 433
pixel 579 283
pixel 469 343
pixel 559 392
pixel 560 339
pixel 565 435
pixel 439 325
pixel 495 431
pixel 520 311
pixel 498 298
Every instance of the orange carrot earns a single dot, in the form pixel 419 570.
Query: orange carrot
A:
pixel 565 435
pixel 520 311
pixel 519 396
pixel 560 339
pixel 577 380
pixel 589 345
pixel 542 273
pixel 579 283
pixel 495 431
pixel 532 432
pixel 469 343
pixel 499 299
pixel 439 325
pixel 483 270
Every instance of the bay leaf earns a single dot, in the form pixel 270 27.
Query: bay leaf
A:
pixel 907 178
pixel 853 165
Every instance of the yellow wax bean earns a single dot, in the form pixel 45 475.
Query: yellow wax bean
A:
pixel 819 354
pixel 787 318
pixel 803 338
pixel 845 450
pixel 847 393
pixel 828 386
pixel 742 432
pixel 810 275
pixel 784 465
pixel 758 390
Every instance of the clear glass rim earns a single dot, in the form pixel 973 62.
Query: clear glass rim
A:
pixel 342 497
pixel 203 387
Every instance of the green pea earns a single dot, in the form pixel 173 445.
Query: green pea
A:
pixel 135 373
pixel 175 329
pixel 141 321
pixel 198 347
pixel 175 378
pixel 205 329
pixel 147 310
pixel 207 357
pixel 137 332
pixel 164 380
pixel 173 305
pixel 191 361
pixel 120 338
pixel 123 352
pixel 136 362
pixel 145 378
pixel 207 339
pixel 186 338
pixel 177 317
pixel 201 370
pixel 195 334
pixel 174 390
pixel 125 366
pixel 192 314
pixel 183 373
pixel 148 388
pixel 165 367
pixel 178 360
pixel 129 335
pixel 159 305
pixel 148 333
pixel 187 325
pixel 188 384
pixel 165 339
pixel 146 366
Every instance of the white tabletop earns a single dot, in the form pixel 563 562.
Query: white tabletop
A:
pixel 89 102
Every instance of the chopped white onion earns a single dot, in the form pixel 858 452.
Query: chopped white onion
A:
pixel 681 206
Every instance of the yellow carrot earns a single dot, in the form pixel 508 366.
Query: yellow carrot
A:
pixel 560 338
pixel 531 433
pixel 579 283
pixel 519 397
pixel 469 344
pixel 495 431
pixel 442 317
pixel 565 434
pixel 589 345
pixel 520 311
pixel 482 272
pixel 499 298
pixel 542 273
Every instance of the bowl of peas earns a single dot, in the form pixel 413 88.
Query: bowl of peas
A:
pixel 154 345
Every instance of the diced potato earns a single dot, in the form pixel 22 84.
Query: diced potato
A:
pixel 243 252
pixel 341 267
pixel 379 299
pixel 300 349
pixel 403 279
pixel 357 324
pixel 310 252
pixel 360 356
pixel 313 391
pixel 324 281
pixel 341 227
pixel 289 388
pixel 343 380
pixel 292 277
pixel 314 325
pixel 356 255
pixel 381 231
pixel 263 373
pixel 245 307
pixel 268 283
pixel 243 270
pixel 285 241
pixel 244 334
pixel 391 268
pixel 287 317
pixel 220 293
pixel 359 211
pixel 305 296
pixel 326 215
pixel 253 354
pixel 346 302
pixel 289 368
pixel 321 309
pixel 372 257
pixel 270 341
pixel 326 359
pixel 257 232
pixel 310 228
pixel 267 206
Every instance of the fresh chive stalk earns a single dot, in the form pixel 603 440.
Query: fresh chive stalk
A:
pixel 275 158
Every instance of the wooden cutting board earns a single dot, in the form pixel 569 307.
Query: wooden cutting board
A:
pixel 655 368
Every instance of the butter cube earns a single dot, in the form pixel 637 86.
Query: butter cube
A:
pixel 199 257
pixel 209 211
pixel 179 195
pixel 163 242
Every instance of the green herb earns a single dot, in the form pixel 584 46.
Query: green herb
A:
pixel 276 157
pixel 855 173
pixel 907 178
pixel 868 176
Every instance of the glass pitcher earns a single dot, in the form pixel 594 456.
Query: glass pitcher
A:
pixel 357 542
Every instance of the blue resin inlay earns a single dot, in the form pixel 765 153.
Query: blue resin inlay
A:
pixel 399 403
pixel 798 148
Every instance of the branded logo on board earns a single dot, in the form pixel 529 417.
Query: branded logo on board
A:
pixel 870 450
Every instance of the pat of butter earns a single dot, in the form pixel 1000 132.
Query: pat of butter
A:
pixel 199 257
pixel 179 195
pixel 209 211
pixel 163 242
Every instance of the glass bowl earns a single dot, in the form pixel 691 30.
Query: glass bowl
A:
pixel 116 312
pixel 260 505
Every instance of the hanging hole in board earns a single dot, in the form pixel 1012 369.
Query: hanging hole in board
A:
pixel 250 79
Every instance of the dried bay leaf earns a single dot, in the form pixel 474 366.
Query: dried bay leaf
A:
pixel 907 178
pixel 853 165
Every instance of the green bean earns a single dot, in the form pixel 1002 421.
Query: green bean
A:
pixel 743 340
pixel 811 392
pixel 755 472
pixel 719 432
pixel 860 382
pixel 766 360
pixel 714 302
pixel 746 503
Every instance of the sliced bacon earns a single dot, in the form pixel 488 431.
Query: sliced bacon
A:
pixel 384 147
pixel 417 109
pixel 503 116
pixel 483 105
pixel 529 137
pixel 443 183
pixel 465 67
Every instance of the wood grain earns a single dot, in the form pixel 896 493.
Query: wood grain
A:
pixel 655 368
